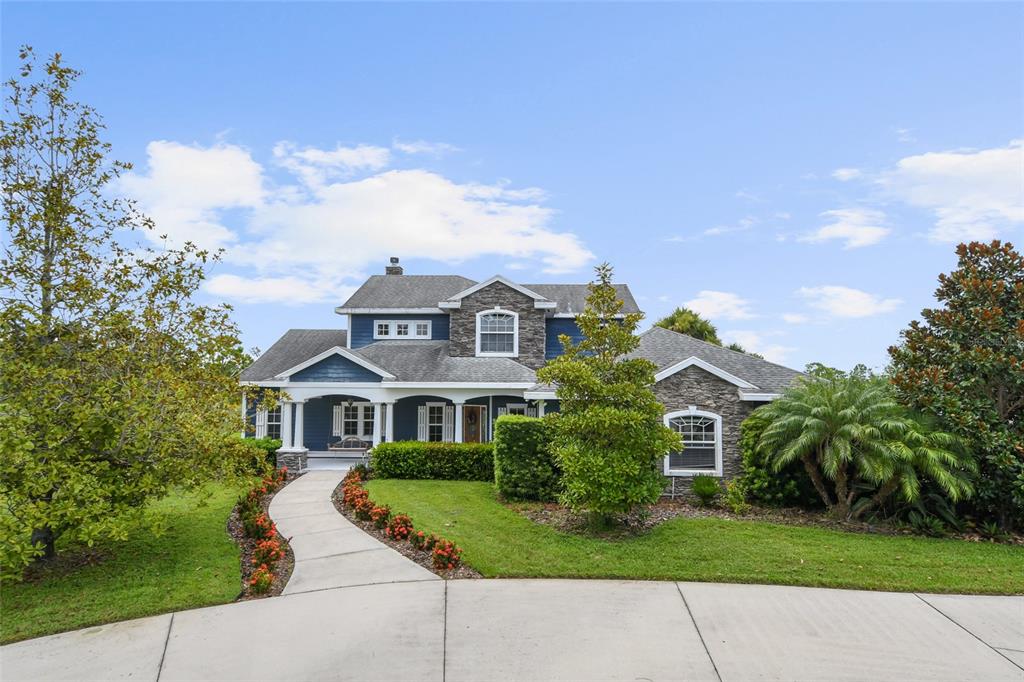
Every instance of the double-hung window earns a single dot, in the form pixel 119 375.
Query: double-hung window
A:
pixel 401 329
pixel 701 433
pixel 268 423
pixel 435 422
pixel 353 420
pixel 497 333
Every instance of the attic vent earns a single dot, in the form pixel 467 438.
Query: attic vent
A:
pixel 393 268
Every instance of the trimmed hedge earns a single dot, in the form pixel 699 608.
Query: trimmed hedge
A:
pixel 440 461
pixel 524 468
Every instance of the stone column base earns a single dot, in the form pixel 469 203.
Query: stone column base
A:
pixel 295 460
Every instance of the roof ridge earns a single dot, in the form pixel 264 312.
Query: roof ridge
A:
pixel 725 348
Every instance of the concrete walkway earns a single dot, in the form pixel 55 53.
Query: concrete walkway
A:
pixel 356 610
pixel 329 550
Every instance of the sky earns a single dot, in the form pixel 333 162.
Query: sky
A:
pixel 800 174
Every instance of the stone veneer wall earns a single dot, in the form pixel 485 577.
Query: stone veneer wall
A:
pixel 531 323
pixel 695 386
pixel 295 461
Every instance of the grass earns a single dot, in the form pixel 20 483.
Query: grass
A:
pixel 194 563
pixel 501 543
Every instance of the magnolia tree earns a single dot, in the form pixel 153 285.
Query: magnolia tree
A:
pixel 608 436
pixel 964 363
pixel 114 386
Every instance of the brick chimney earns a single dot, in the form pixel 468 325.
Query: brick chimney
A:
pixel 393 268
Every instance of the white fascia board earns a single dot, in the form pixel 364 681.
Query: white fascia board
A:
pixel 758 397
pixel 707 367
pixel 449 305
pixel 540 395
pixel 573 316
pixel 284 383
pixel 388 311
pixel 343 352
pixel 539 301
pixel 456 384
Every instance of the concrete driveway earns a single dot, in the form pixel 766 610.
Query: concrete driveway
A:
pixel 355 609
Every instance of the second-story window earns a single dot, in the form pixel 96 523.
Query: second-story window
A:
pixel 497 333
pixel 401 329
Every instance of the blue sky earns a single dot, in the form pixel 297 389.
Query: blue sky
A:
pixel 800 173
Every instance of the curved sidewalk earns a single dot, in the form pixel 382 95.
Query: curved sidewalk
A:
pixel 357 610
pixel 329 550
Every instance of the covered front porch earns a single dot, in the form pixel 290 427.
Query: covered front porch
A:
pixel 339 426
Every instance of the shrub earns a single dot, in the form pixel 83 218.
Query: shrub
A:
pixel 352 495
pixel 259 527
pixel 736 497
pixel 788 487
pixel 360 470
pixel 380 516
pixel 445 555
pixel 399 527
pixel 420 540
pixel 364 508
pixel 706 488
pixel 524 467
pixel 261 580
pixel 441 461
pixel 267 552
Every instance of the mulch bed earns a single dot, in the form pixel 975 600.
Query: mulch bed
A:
pixel 283 570
pixel 644 519
pixel 421 557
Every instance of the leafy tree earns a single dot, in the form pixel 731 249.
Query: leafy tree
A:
pixel 114 386
pixel 608 436
pixel 859 446
pixel 965 364
pixel 783 487
pixel 686 321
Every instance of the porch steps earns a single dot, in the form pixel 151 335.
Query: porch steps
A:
pixel 325 461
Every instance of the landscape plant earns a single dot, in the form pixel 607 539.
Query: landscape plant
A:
pixel 524 467
pixel 706 488
pixel 608 437
pixel 963 363
pixel 433 460
pixel 859 447
pixel 116 388
pixel 399 527
pixel 788 486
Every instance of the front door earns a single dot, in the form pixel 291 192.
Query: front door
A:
pixel 472 423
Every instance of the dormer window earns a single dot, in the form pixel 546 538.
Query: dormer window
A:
pixel 497 333
pixel 401 329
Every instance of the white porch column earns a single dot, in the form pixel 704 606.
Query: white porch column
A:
pixel 376 424
pixel 458 422
pixel 298 440
pixel 540 408
pixel 389 423
pixel 245 414
pixel 286 425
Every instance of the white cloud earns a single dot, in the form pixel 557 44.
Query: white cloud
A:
pixel 973 194
pixel 905 134
pixel 754 342
pixel 424 147
pixel 794 318
pixel 783 215
pixel 186 187
pixel 856 226
pixel 841 301
pixel 846 174
pixel 720 305
pixel 300 240
pixel 741 225
pixel 748 196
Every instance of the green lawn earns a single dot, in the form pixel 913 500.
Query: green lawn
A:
pixel 499 542
pixel 195 563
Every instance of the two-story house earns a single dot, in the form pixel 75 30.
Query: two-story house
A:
pixel 440 357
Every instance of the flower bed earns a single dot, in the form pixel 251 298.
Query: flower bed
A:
pixel 435 553
pixel 267 560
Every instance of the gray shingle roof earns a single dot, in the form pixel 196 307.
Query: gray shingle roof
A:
pixel 665 348
pixel 572 298
pixel 406 291
pixel 429 361
pixel 296 346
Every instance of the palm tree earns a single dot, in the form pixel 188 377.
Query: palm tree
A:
pixel 851 432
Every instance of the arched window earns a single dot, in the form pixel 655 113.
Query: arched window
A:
pixel 702 443
pixel 497 333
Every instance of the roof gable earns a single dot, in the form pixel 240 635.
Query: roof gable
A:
pixel 455 301
pixel 344 353
pixel 694 361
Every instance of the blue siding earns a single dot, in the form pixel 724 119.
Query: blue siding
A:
pixel 361 331
pixel 405 414
pixel 335 368
pixel 318 416
pixel 553 327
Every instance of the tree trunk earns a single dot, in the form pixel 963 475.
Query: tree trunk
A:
pixel 879 498
pixel 817 480
pixel 842 509
pixel 47 539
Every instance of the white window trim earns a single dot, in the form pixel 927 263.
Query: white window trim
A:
pixel 515 334
pixel 364 414
pixel 692 411
pixel 444 421
pixel 510 406
pixel 393 329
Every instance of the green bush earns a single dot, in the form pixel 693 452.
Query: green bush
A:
pixel 706 488
pixel 440 461
pixel 255 450
pixel 736 497
pixel 790 487
pixel 524 468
